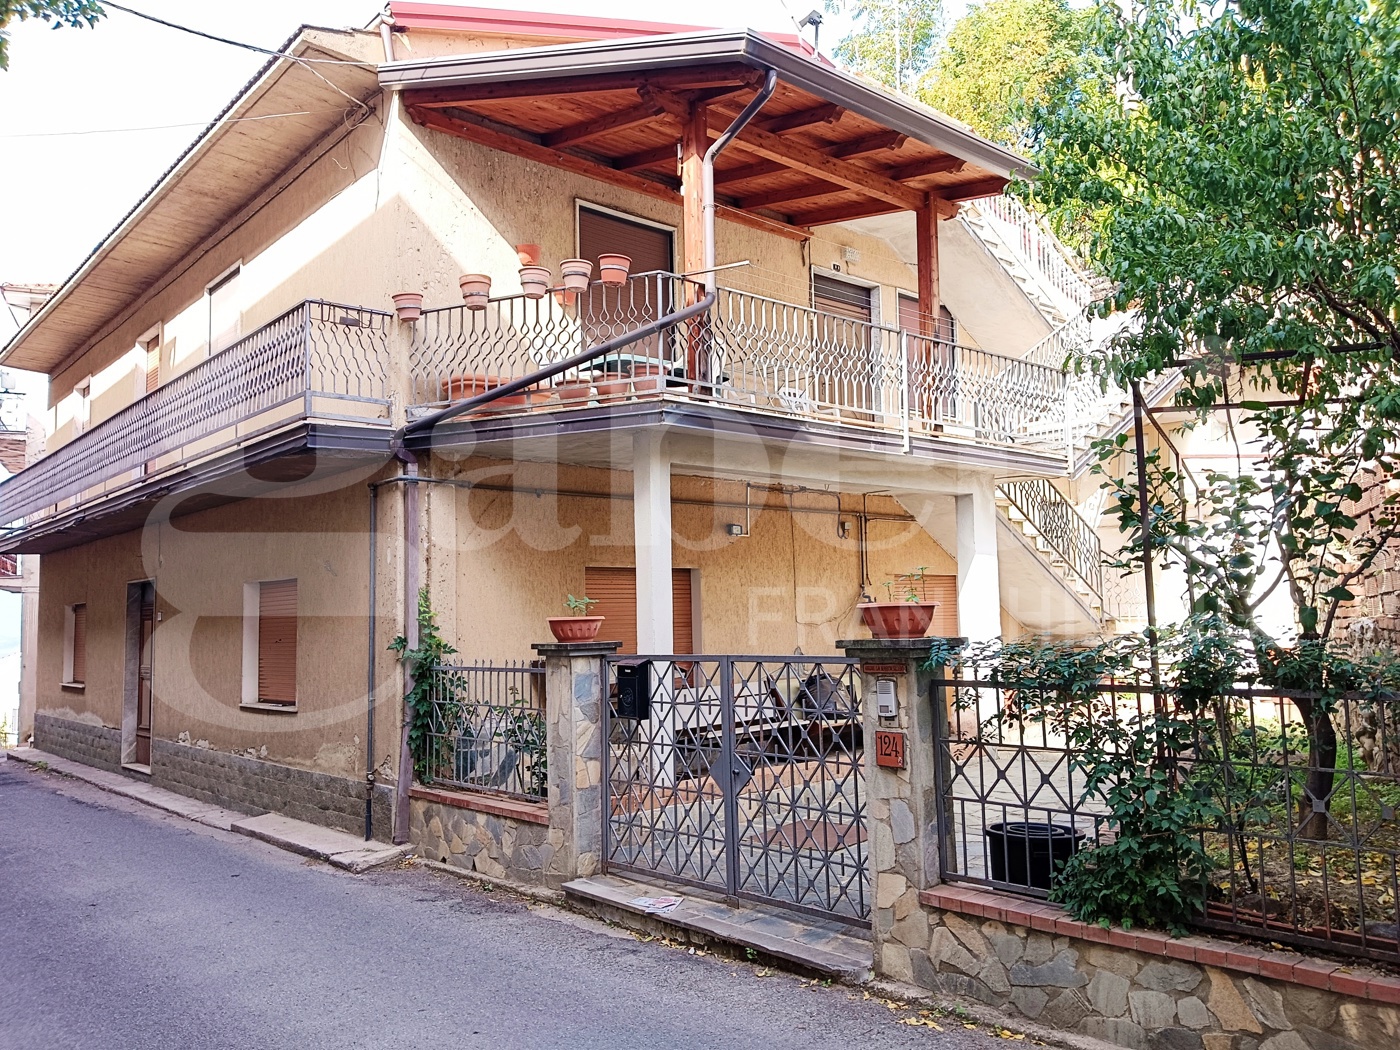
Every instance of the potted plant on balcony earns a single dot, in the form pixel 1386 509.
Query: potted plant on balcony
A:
pixel 578 626
pixel 476 290
pixel 576 274
pixel 613 268
pixel 534 281
pixel 649 376
pixel 408 305
pixel 905 617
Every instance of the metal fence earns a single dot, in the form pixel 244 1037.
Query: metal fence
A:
pixel 317 351
pixel 1308 847
pixel 487 730
pixel 744 774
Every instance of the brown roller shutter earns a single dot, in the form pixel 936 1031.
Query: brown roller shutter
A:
pixel 947 330
pixel 615 590
pixel 841 298
pixel 79 643
pixel 944 591
pixel 610 311
pixel 648 247
pixel 152 364
pixel 277 642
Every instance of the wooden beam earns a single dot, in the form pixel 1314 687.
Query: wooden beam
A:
pixel 826 113
pixel 926 252
pixel 877 143
pixel 844 212
pixel 802 191
pixel 695 139
pixel 968 191
pixel 548 87
pixel 647 157
pixel 928 166
pixel 817 164
pixel 520 143
pixel 597 127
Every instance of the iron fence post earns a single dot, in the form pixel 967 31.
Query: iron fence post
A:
pixel 732 773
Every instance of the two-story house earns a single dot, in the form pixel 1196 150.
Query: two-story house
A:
pixel 832 361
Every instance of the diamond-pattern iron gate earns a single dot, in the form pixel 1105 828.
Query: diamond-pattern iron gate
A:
pixel 746 776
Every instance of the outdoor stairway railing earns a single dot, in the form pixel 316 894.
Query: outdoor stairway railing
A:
pixel 748 350
pixel 1071 541
pixel 318 359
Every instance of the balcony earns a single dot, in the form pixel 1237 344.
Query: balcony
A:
pixel 746 353
pixel 319 361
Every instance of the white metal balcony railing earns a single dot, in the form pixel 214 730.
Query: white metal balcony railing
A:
pixel 1038 249
pixel 747 350
pixel 319 359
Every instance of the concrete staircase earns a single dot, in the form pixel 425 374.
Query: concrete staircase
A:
pixel 1043 529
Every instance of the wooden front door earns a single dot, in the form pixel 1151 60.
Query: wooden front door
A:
pixel 143 676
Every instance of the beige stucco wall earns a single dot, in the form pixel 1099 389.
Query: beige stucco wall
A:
pixel 792 582
pixel 199 564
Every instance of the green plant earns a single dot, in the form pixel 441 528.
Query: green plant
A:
pixel 525 732
pixel 579 606
pixel 432 685
pixel 910 584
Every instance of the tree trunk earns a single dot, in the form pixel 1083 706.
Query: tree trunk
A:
pixel 1321 770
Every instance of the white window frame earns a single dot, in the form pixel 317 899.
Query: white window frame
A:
pixel 227 277
pixel 875 287
pixel 580 204
pixel 252 611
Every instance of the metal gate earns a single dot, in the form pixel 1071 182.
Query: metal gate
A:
pixel 745 774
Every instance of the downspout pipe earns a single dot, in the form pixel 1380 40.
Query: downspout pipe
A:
pixel 707 169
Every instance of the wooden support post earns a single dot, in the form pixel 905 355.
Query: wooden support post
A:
pixel 695 139
pixel 926 232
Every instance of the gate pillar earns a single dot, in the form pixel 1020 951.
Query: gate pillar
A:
pixel 900 713
pixel 575 690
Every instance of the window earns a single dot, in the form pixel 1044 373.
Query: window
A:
pixel 615 590
pixel 945 331
pixel 151 347
pixel 225 319
pixel 610 311
pixel 270 643
pixel 82 405
pixel 75 645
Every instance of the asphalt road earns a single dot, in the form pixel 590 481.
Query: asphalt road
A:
pixel 121 926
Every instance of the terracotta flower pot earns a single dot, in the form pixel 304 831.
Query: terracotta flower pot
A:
pixel 528 254
pixel 575 628
pixel 408 305
pixel 476 289
pixel 612 268
pixel 534 281
pixel 576 274
pixel 574 389
pixel 461 387
pixel 613 384
pixel 900 620
pixel 649 378
pixel 515 402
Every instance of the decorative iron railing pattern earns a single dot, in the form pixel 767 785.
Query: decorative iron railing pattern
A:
pixel 747 350
pixel 747 776
pixel 1038 249
pixel 487 730
pixel 317 350
pixel 1055 520
pixel 1320 870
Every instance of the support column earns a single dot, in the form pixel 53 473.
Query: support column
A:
pixel 695 139
pixel 926 236
pixel 651 517
pixel 902 800
pixel 979 579
pixel 575 691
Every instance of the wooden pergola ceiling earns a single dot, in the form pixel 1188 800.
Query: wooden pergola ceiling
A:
pixel 802 162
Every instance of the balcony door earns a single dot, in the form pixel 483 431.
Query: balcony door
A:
pixel 610 311
pixel 933 393
pixel 846 370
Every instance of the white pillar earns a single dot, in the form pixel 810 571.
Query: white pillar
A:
pixel 651 521
pixel 979 583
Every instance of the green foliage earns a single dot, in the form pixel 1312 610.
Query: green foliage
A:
pixel 425 739
pixel 524 732
pixel 58 12
pixel 1004 60
pixel 579 606
pixel 893 41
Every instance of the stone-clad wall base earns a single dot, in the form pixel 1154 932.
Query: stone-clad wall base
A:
pixel 251 785
pixel 96 746
pixel 1141 1000
pixel 499 847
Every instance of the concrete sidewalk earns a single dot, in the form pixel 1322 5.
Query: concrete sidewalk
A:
pixel 336 848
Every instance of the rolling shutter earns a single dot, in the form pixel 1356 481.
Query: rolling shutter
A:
pixel 277 642
pixel 947 329
pixel 944 591
pixel 832 296
pixel 152 364
pixel 616 592
pixel 610 311
pixel 648 247
pixel 79 643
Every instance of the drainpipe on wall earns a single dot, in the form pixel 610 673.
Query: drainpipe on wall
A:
pixel 409 459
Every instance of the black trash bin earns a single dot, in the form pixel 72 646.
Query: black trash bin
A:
pixel 1027 854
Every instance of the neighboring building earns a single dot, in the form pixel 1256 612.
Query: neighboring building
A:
pixel 220 507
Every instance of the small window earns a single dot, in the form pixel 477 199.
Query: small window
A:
pixel 82 406
pixel 75 645
pixel 151 348
pixel 270 643
pixel 225 318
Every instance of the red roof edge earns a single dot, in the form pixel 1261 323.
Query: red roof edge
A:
pixel 532 23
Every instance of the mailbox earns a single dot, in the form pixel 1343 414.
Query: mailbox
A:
pixel 633 690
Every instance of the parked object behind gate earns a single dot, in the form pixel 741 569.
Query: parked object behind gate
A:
pixel 1029 854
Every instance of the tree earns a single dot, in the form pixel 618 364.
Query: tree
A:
pixel 894 41
pixel 1237 164
pixel 59 12
pixel 1002 61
